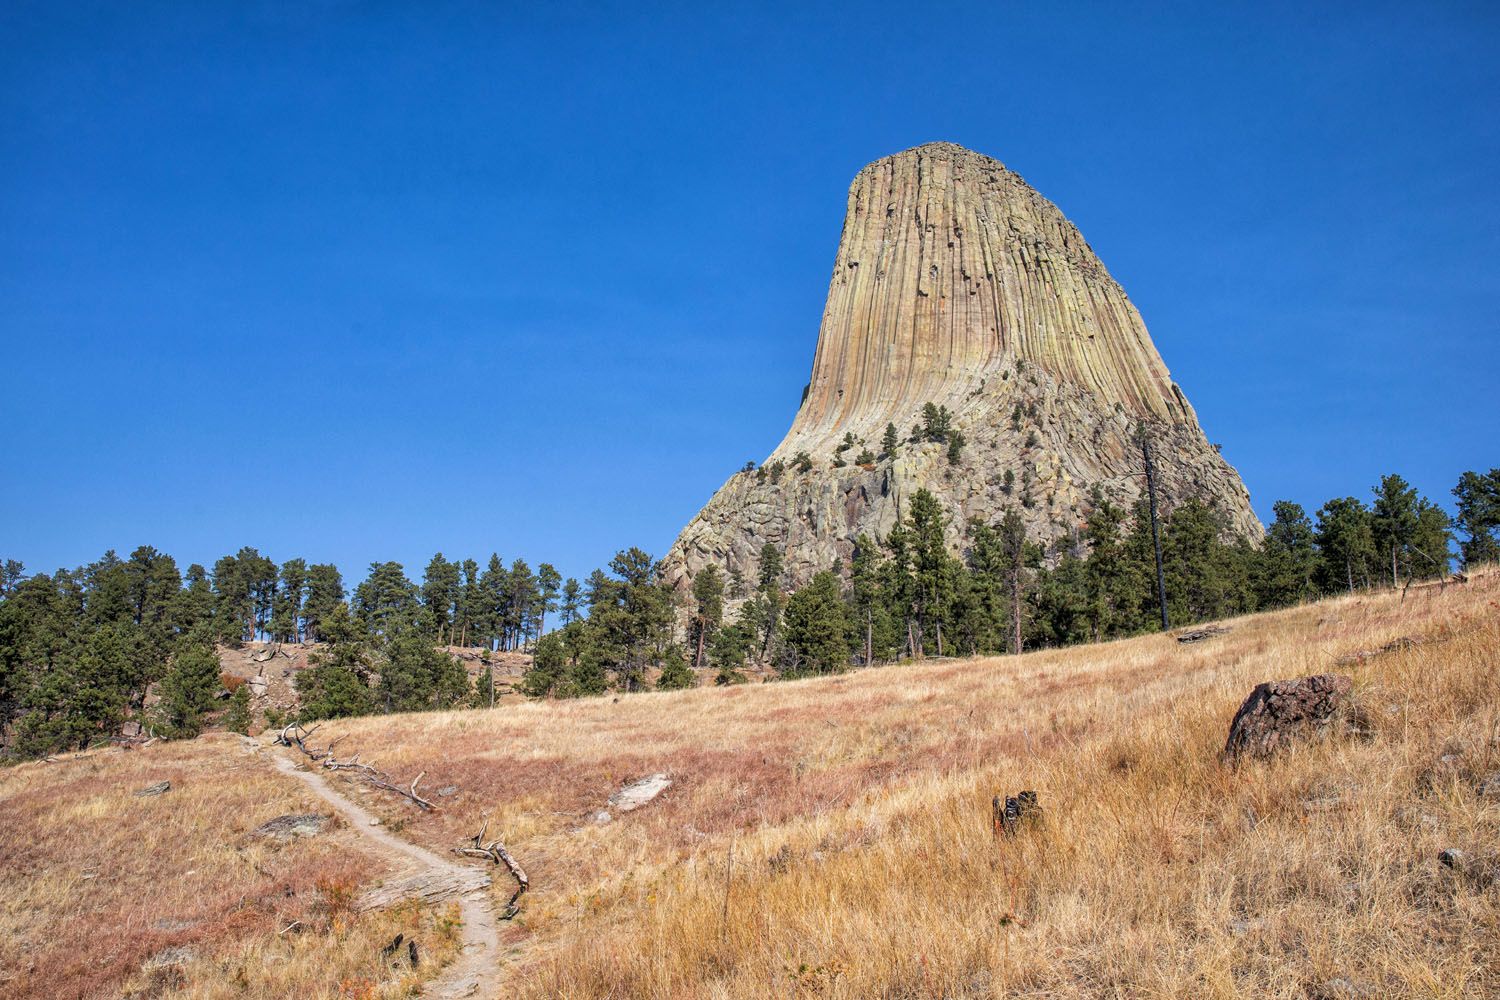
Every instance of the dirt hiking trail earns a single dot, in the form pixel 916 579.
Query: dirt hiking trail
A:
pixel 475 972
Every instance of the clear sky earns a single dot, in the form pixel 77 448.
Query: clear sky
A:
pixel 359 281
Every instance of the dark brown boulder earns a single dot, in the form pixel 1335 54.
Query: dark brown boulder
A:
pixel 1281 712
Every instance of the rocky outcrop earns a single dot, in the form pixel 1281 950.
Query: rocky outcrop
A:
pixel 957 284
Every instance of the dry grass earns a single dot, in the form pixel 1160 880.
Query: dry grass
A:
pixel 856 813
pixel 105 894
pixel 857 809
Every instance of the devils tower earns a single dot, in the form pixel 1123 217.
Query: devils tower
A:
pixel 957 284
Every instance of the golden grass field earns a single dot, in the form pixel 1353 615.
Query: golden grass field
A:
pixel 832 837
pixel 104 894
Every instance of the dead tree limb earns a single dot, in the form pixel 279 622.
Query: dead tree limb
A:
pixel 295 736
pixel 495 851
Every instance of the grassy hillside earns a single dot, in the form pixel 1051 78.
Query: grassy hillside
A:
pixel 104 893
pixel 832 837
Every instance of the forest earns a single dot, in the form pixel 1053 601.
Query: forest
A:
pixel 84 650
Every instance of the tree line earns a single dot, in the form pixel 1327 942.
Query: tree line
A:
pixel 83 650
pixel 908 596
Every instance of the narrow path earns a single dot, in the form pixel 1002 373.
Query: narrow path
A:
pixel 475 973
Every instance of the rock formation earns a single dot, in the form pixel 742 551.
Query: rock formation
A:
pixel 957 284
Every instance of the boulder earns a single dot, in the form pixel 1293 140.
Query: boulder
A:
pixel 1278 713
pixel 160 788
pixel 284 828
pixel 638 793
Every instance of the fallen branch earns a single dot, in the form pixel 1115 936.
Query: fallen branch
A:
pixel 1199 634
pixel 496 852
pixel 293 735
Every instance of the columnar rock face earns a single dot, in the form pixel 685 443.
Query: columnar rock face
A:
pixel 959 285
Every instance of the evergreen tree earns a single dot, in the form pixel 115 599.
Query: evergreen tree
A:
pixel 708 614
pixel 769 597
pixel 1346 544
pixel 572 601
pixel 386 604
pixel 549 663
pixel 816 631
pixel 81 697
pixel 188 690
pixel 1428 551
pixel 731 645
pixel 676 675
pixel 1393 521
pixel 873 630
pixel 193 605
pixel 1202 578
pixel 1478 500
pixel 1012 544
pixel 1108 581
pixel 286 612
pixel 1289 558
pixel 548 584
pixel 889 443
pixel 416 677
pixel 933 571
pixel 238 718
pixel 337 684
pixel 471 604
pixel 442 584
pixel 234 606
pixel 325 593
pixel 494 584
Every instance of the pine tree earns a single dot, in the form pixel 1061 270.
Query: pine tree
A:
pixel 1289 558
pixel 386 602
pixel 572 601
pixel 770 599
pixel 816 630
pixel 1478 501
pixel 708 614
pixel 889 443
pixel 548 584
pixel 325 593
pixel 1428 552
pixel 337 683
pixel 675 673
pixel 932 570
pixel 1393 521
pixel 193 605
pixel 416 677
pixel 440 594
pixel 1346 544
pixel 731 645
pixel 238 718
pixel 1012 542
pixel 188 690
pixel 286 610
pixel 872 629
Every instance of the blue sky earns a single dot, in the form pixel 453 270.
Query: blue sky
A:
pixel 359 281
